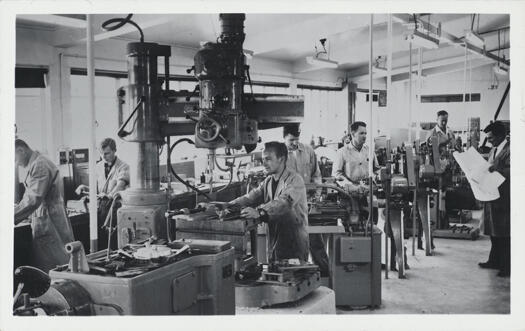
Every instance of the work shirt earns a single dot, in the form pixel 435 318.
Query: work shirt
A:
pixel 287 215
pixel 445 139
pixel 352 163
pixel 119 171
pixel 43 205
pixel 304 161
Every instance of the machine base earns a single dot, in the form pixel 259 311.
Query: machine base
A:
pixel 319 301
pixel 468 231
pixel 262 294
pixel 196 285
pixel 462 231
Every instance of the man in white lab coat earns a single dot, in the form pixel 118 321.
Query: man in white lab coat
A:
pixel 43 205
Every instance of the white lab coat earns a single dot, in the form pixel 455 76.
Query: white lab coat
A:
pixel 119 171
pixel 43 205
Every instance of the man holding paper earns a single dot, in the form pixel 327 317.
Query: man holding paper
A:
pixel 497 212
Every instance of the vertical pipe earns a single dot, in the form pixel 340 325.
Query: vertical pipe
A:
pixel 419 88
pixel 93 223
pixel 465 78
pixel 371 163
pixel 410 133
pixel 410 92
pixel 389 108
pixel 168 180
pixel 370 121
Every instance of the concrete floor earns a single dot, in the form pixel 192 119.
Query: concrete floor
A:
pixel 450 282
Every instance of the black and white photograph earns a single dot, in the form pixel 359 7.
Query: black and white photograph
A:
pixel 262 164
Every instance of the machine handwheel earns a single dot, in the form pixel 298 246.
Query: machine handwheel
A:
pixel 208 129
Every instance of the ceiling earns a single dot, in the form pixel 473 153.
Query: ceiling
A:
pixel 291 37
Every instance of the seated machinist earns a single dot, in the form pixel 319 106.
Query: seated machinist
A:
pixel 280 201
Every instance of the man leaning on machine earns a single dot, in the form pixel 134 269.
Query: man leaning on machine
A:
pixel 351 166
pixel 280 201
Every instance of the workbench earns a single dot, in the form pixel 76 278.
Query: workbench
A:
pixel 80 221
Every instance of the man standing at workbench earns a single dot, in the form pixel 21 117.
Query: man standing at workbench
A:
pixel 112 177
pixel 302 159
pixel 43 205
pixel 447 142
pixel 280 201
pixel 112 172
pixel 351 165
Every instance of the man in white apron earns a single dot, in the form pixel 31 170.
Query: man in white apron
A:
pixel 43 205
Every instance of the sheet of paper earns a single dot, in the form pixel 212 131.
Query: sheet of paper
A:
pixel 484 184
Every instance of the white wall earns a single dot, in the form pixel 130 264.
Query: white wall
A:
pixel 396 115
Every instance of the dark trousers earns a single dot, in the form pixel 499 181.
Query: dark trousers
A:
pixel 500 253
pixel 318 252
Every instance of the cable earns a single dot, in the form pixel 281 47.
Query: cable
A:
pixel 229 183
pixel 177 176
pixel 231 175
pixel 120 22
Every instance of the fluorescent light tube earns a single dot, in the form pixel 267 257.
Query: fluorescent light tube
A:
pixel 322 63
pixel 422 40
pixel 474 39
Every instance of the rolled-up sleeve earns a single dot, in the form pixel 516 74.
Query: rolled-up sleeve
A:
pixel 339 165
pixel 123 174
pixel 316 173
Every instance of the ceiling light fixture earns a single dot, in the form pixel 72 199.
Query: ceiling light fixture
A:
pixel 320 62
pixel 474 39
pixel 500 69
pixel 421 39
pixel 321 58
